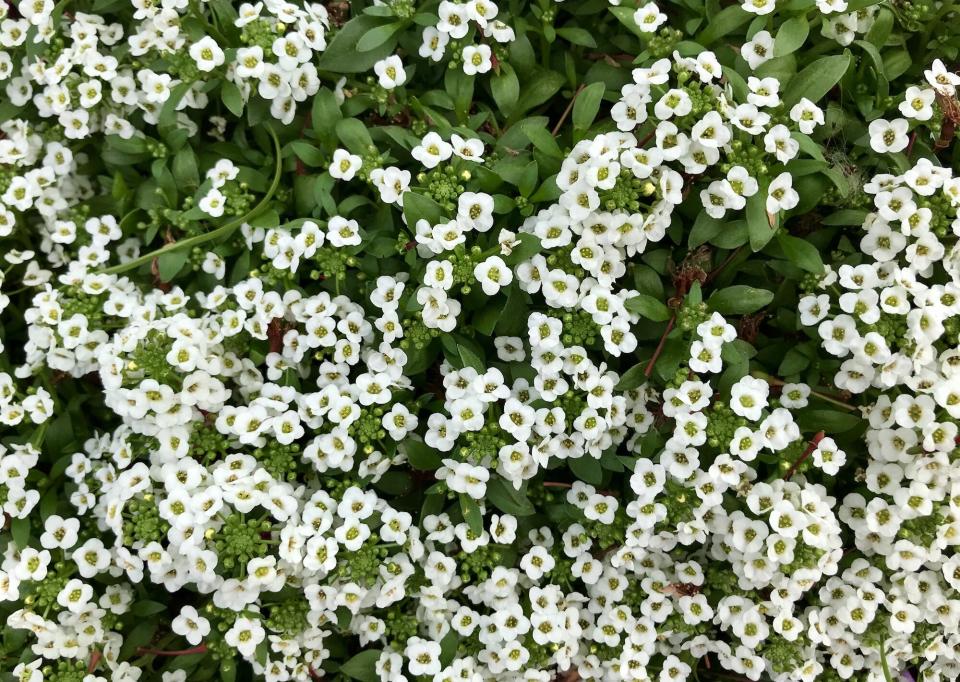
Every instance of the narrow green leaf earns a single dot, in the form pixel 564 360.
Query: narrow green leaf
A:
pixel 506 498
pixel 505 88
pixel 739 300
pixel 758 220
pixel 817 79
pixel 377 36
pixel 577 36
pixel 471 513
pixel 587 105
pixel 170 263
pixel 801 253
pixel 421 455
pixel 791 35
pixel 363 666
pixel 342 56
pixel 648 307
pixel 232 99
pixel 727 20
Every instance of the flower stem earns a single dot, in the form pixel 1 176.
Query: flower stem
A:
pixel 774 381
pixel 219 233
pixel 811 446
pixel 201 649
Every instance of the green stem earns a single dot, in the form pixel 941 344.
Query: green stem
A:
pixel 219 233
pixel 774 381
pixel 883 661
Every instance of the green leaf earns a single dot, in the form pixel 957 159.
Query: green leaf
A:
pixel 505 88
pixel 418 207
pixel 307 153
pixel 817 79
pixel 448 647
pixel 147 608
pixel 543 85
pixel 377 36
pixel 542 139
pixel 587 469
pixel 704 229
pixel 325 114
pixel 20 530
pixel 232 99
pixel 625 16
pixel 460 87
pixel 342 56
pixel 633 378
pixel 528 247
pixel 758 220
pixel 587 105
pixel 421 455
pixel 831 421
pixel 185 170
pixel 577 36
pixel 739 300
pixel 727 20
pixel 168 113
pixel 362 666
pixel 471 513
pixel 471 359
pixel 648 307
pixel 801 253
pixel 791 36
pixel 170 263
pixel 506 498
pixel 354 135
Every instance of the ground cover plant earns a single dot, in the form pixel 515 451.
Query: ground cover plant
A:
pixel 463 341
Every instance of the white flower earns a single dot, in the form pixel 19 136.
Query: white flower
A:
pixel 493 274
pixel 758 50
pixel 649 18
pixel 943 81
pixel 748 397
pixel 207 54
pixel 213 203
pixel 432 150
pixel 889 136
pixel 244 635
pixel 781 196
pixel 390 71
pixel 345 165
pixel 423 656
pixel 476 59
pixel 191 625
pixel 918 103
pixel 806 115
pixel 434 43
pixel 761 7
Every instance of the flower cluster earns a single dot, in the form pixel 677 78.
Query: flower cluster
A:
pixel 445 341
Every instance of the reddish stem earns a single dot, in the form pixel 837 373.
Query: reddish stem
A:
pixel 566 112
pixel 201 649
pixel 811 446
pixel 663 341
pixel 94 660
pixel 556 484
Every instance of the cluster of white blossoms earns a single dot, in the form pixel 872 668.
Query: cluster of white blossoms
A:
pixel 394 437
pixel 202 489
pixel 462 22
pixel 894 320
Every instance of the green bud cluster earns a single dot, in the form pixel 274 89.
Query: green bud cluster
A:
pixel 289 617
pixel 280 460
pixel 475 446
pixel 142 523
pixel 443 185
pixel 240 540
